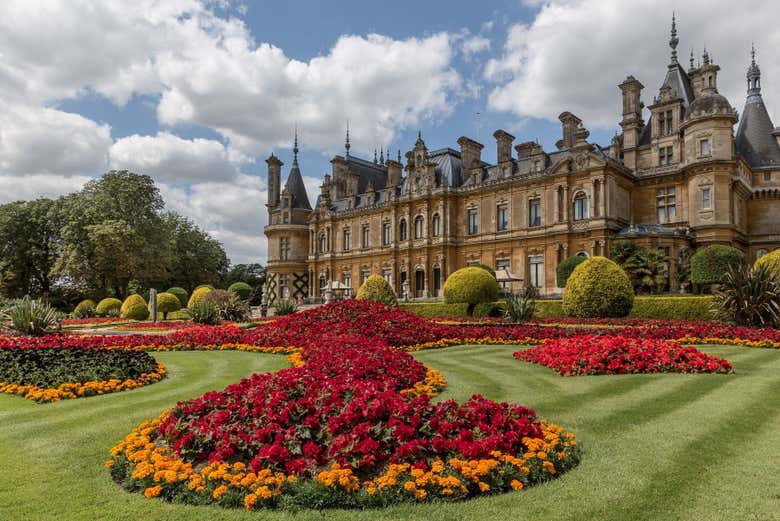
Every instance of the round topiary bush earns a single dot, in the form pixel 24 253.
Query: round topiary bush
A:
pixel 598 288
pixel 709 264
pixel 470 286
pixel 202 286
pixel 485 267
pixel 772 261
pixel 198 295
pixel 109 307
pixel 85 309
pixel 181 294
pixel 377 289
pixel 134 308
pixel 242 289
pixel 167 303
pixel 563 272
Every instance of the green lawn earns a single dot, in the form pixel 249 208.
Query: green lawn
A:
pixel 654 447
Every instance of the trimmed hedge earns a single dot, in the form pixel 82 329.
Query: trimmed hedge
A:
pixel 376 289
pixel 85 309
pixel 242 289
pixel 470 286
pixel 134 307
pixel 598 288
pixel 709 264
pixel 564 269
pixel 167 303
pixel 109 307
pixel 772 261
pixel 181 294
pixel 198 295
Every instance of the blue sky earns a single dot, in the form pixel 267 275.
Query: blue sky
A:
pixel 197 93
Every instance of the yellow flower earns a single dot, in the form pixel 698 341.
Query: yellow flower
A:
pixel 219 491
pixel 151 492
pixel 516 484
pixel 249 501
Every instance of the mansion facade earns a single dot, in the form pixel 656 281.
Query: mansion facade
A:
pixel 680 180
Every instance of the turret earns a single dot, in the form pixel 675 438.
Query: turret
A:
pixel 757 138
pixel 274 180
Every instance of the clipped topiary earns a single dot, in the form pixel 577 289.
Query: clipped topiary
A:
pixel 242 289
pixel 198 295
pixel 470 286
pixel 202 286
pixel 181 294
pixel 598 288
pixel 109 307
pixel 377 289
pixel 485 267
pixel 85 309
pixel 565 268
pixel 772 262
pixel 709 264
pixel 134 308
pixel 167 303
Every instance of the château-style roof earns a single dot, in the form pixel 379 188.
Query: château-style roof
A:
pixel 755 139
pixel 294 185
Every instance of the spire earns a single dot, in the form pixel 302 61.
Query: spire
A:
pixel 673 41
pixel 706 56
pixel 346 144
pixel 753 75
pixel 381 156
pixel 295 146
pixel 399 155
pixel 692 67
pixel 375 160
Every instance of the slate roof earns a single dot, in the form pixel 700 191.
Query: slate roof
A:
pixel 754 138
pixel 296 188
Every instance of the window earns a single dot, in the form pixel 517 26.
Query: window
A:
pixel 580 206
pixel 760 253
pixel 502 217
pixel 665 124
pixel 364 274
pixel 537 166
pixel 347 239
pixel 661 124
pixel 535 212
pixel 665 156
pixel 364 242
pixel 386 234
pixel 473 221
pixel 284 248
pixel 706 198
pixel 387 274
pixel 418 227
pixel 323 243
pixel 536 271
pixel 502 264
pixel 347 279
pixel 436 225
pixel 666 202
pixel 704 147
pixel 767 176
pixel 402 230
pixel 285 218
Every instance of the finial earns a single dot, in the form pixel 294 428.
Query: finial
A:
pixel 753 74
pixel 346 144
pixel 295 145
pixel 692 67
pixel 419 134
pixel 381 156
pixel 752 53
pixel 673 41
pixel 705 57
pixel 399 155
pixel 375 161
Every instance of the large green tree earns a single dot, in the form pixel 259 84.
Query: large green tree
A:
pixel 197 257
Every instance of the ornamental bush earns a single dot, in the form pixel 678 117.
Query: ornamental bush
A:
pixel 565 268
pixel 198 295
pixel 242 289
pixel 598 288
pixel 772 261
pixel 470 286
pixel 167 303
pixel 85 309
pixel 181 294
pixel 109 307
pixel 228 305
pixel 134 308
pixel 377 289
pixel 485 267
pixel 709 264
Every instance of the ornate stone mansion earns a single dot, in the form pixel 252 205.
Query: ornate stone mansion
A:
pixel 679 180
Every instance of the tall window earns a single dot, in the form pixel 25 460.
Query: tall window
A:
pixel 323 243
pixel 502 217
pixel 436 225
pixel 767 176
pixel 665 124
pixel 347 239
pixel 386 234
pixel 347 279
pixel 665 156
pixel 418 227
pixel 387 274
pixel 535 212
pixel 666 202
pixel 364 274
pixel 536 270
pixel 284 248
pixel 285 218
pixel 473 221
pixel 364 242
pixel 704 147
pixel 706 198
pixel 402 230
pixel 580 206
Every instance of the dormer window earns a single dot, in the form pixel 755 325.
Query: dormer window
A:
pixel 665 123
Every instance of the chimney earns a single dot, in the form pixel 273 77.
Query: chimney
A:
pixel 470 153
pixel 394 169
pixel 570 123
pixel 274 180
pixel 528 149
pixel 503 146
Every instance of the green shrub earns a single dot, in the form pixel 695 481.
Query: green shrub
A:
pixel 749 297
pixel 181 294
pixel 486 268
pixel 376 289
pixel 167 303
pixel 623 250
pixel 202 286
pixel 242 289
pixel 598 288
pixel 109 307
pixel 285 307
pixel 470 286
pixel 32 317
pixel 772 261
pixel 710 263
pixel 85 309
pixel 229 306
pixel 198 295
pixel 521 306
pixel 204 312
pixel 671 308
pixel 489 309
pixel 565 268
pixel 134 308
pixel 549 308
pixel 436 309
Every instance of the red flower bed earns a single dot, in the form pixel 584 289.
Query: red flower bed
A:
pixel 603 354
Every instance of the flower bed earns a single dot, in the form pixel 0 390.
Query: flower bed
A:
pixel 93 321
pixel 47 375
pixel 596 354
pixel 163 325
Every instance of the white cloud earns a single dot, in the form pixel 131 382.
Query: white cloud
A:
pixel 573 54
pixel 475 44
pixel 171 159
pixel 25 188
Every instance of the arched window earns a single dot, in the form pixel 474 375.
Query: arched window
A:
pixel 323 243
pixel 402 230
pixel 418 227
pixel 436 225
pixel 580 206
pixel 582 254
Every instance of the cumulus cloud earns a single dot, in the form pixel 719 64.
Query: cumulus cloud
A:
pixel 28 187
pixel 573 54
pixel 475 44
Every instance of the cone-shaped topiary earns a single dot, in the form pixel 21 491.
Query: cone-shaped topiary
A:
pixel 377 289
pixel 564 269
pixel 197 295
pixel 709 264
pixel 109 307
pixel 242 289
pixel 470 286
pixel 85 309
pixel 167 303
pixel 598 288
pixel 772 261
pixel 181 294
pixel 134 308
